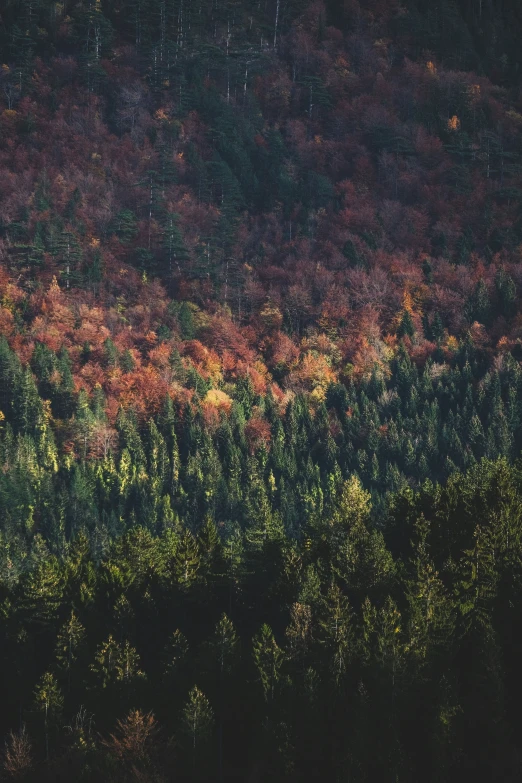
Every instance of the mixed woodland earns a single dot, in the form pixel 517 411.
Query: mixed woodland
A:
pixel 260 390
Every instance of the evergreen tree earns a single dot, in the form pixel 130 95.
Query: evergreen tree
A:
pixel 176 655
pixel 69 644
pixel 506 294
pixel 105 664
pixel 198 718
pixel 431 615
pixel 299 634
pixel 478 307
pixel 406 327
pixel 68 255
pixel 337 633
pixel 48 701
pixel 268 658
pixel 176 253
pixel 125 226
pixel 187 561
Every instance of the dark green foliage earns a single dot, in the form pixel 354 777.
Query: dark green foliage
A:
pixel 479 304
pixel 125 226
pixel 404 613
pixel 406 327
pixel 506 294
pixel 329 590
pixel 176 254
pixel 179 526
pixel 287 580
pixel 186 321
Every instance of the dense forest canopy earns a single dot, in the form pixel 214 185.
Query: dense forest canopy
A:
pixel 260 390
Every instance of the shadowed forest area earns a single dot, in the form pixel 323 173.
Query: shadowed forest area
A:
pixel 260 390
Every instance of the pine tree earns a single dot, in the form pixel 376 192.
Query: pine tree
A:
pixel 69 645
pixel 406 327
pixel 93 33
pixel 176 253
pixel 506 294
pixel 478 307
pixel 27 406
pixel 269 659
pixel 212 561
pixel 265 529
pixel 224 646
pixel 382 638
pixel 198 719
pixel 337 633
pixel 49 701
pixel 42 588
pixel 485 702
pixel 130 438
pixel 431 622
pixel 176 655
pixel 67 253
pixel 127 363
pixel 106 660
pixel 64 391
pixel 128 663
pixel 125 226
pixel 187 561
pixel 299 634
pixel 9 371
pixel 437 328
pixel 234 556
pixel 158 460
pixel 186 321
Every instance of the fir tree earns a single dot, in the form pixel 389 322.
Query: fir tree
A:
pixel 198 718
pixel 48 701
pixel 268 658
pixel 69 645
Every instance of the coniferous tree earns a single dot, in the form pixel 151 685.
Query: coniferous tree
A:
pixel 69 644
pixel 49 702
pixel 268 658
pixel 337 633
pixel 198 718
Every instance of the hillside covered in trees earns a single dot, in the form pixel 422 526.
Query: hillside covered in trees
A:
pixel 260 390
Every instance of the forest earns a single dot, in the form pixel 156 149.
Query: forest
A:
pixel 260 391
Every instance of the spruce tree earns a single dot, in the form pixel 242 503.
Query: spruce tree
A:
pixel 49 702
pixel 69 645
pixel 268 659
pixel 198 719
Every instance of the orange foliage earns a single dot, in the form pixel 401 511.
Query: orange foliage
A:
pixel 454 123
pixel 342 288
pixel 160 356
pixel 218 399
pixel 6 322
pixel 257 431
pixel 222 334
pixel 258 380
pixel 205 361
pixel 312 372
pixel 228 361
pixel 283 350
pixel 51 336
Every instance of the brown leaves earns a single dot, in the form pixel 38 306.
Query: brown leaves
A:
pixel 134 740
pixel 6 322
pixel 313 372
pixel 257 431
pixel 18 758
